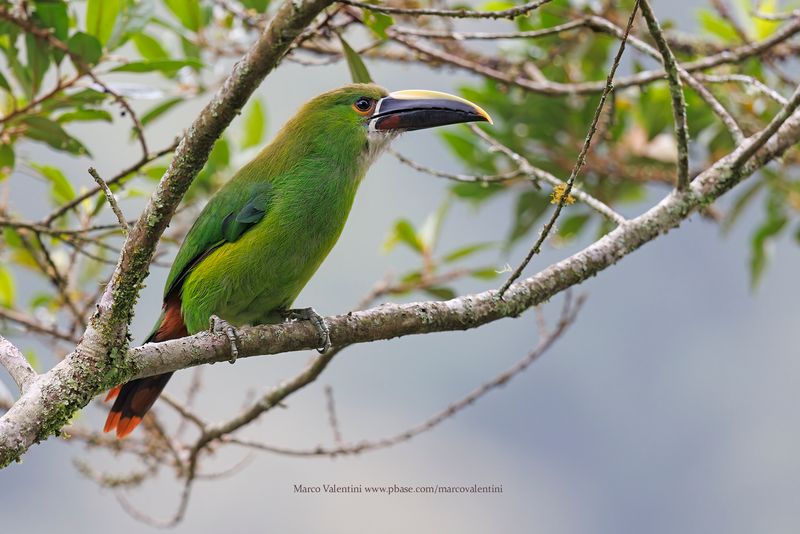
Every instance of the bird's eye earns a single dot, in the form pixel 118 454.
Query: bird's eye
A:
pixel 364 106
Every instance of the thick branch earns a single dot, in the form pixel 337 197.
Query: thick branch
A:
pixel 102 358
pixel 99 360
pixel 394 320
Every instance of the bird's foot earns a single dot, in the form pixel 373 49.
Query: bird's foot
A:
pixel 308 314
pixel 217 325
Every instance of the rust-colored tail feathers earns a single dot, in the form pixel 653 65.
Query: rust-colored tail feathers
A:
pixel 135 398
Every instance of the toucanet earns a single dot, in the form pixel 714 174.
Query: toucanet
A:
pixel 262 236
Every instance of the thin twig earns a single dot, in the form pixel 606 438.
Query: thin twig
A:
pixel 568 315
pixel 747 80
pixel 485 68
pixel 32 325
pixel 122 101
pixel 764 135
pixel 676 93
pixel 56 232
pixel 565 193
pixel 52 272
pixel 60 86
pixel 182 410
pixel 333 421
pixel 144 160
pixel 540 174
pixel 112 200
pixel 510 13
pixel 459 177
pixel 685 73
pixel 777 17
pixel 461 36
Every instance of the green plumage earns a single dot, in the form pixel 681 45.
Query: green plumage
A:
pixel 263 235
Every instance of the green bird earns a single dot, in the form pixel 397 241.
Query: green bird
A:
pixel 262 236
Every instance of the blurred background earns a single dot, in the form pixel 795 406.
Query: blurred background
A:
pixel 670 405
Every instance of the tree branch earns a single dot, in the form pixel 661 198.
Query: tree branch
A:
pixel 16 364
pixel 564 194
pixel 99 361
pixel 548 87
pixel 676 92
pixel 510 13
pixel 112 201
pixel 568 316
pixel 394 320
pixel 103 358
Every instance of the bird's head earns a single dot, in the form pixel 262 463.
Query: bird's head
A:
pixel 370 116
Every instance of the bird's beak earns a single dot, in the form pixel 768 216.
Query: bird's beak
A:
pixel 418 109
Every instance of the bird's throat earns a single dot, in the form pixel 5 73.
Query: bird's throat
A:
pixel 376 144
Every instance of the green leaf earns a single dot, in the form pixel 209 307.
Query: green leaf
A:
pixel 571 226
pixel 158 110
pixel 41 300
pixel 717 26
pixel 476 192
pixel 155 172
pixel 53 134
pixel 62 190
pixel 741 202
pixel 30 355
pixel 6 287
pixel 12 238
pixel 431 228
pixel 377 22
pixel 530 207
pixel 220 156
pixel 85 97
pixel 463 252
pixel 132 19
pixel 764 28
pixel 358 71
pixel 187 11
pixel 190 49
pixel 85 115
pixel 759 244
pixel 53 15
pixel 38 60
pixel 444 293
pixel 100 18
pixel 86 47
pixel 148 47
pixel 254 124
pixel 654 109
pixel 486 273
pixel 218 160
pixel 403 232
pixel 411 277
pixel 4 83
pixel 258 5
pixel 6 160
pixel 166 66
pixel 496 5
pixel 464 147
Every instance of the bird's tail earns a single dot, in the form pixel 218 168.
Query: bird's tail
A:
pixel 135 398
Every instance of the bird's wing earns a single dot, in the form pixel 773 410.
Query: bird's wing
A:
pixel 229 214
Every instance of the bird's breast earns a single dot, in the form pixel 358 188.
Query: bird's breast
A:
pixel 247 281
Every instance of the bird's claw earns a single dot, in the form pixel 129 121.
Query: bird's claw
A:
pixel 308 314
pixel 217 325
